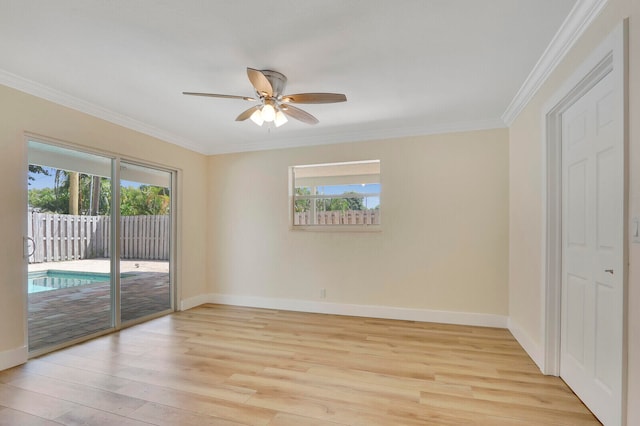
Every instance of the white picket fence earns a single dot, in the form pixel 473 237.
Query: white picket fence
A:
pixel 57 237
pixel 348 217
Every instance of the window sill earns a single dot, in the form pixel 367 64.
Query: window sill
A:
pixel 336 228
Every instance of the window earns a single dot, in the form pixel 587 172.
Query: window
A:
pixel 345 195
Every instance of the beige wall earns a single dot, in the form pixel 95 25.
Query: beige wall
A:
pixel 21 113
pixel 525 191
pixel 443 244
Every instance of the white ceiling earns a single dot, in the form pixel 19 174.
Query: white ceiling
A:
pixel 407 66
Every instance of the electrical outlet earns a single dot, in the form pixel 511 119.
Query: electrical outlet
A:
pixel 323 293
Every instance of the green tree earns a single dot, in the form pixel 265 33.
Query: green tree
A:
pixel 37 170
pixel 146 200
pixel 56 199
pixel 48 200
pixel 354 203
pixel 94 195
pixel 341 204
pixel 302 205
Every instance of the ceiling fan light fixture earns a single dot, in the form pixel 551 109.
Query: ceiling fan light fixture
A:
pixel 280 119
pixel 268 112
pixel 256 117
pixel 272 105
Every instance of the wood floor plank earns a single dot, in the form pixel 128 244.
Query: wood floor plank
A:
pixel 34 403
pixel 216 408
pixel 163 415
pixel 319 408
pixel 283 419
pixel 10 374
pixel 10 417
pixel 85 416
pixel 73 375
pixel 213 389
pixel 80 394
pixel 389 391
pixel 509 409
pixel 551 387
pixel 68 359
pixel 230 366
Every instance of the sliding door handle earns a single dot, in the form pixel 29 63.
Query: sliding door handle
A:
pixel 29 247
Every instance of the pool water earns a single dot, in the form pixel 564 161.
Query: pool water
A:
pixel 53 279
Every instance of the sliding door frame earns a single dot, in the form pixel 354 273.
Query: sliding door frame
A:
pixel 172 241
pixel 116 159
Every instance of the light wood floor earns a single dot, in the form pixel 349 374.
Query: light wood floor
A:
pixel 220 365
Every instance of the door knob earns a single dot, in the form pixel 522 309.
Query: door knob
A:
pixel 609 271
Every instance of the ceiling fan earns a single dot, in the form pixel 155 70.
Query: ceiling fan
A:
pixel 273 105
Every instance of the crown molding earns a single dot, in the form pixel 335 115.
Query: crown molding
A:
pixel 581 16
pixel 41 91
pixel 583 13
pixel 360 136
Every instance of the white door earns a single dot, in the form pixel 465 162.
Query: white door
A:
pixel 592 250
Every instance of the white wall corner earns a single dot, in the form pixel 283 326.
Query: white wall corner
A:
pixel 13 357
pixel 373 311
pixel 583 13
pixel 535 351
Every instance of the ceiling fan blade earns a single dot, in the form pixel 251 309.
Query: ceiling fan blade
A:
pixel 246 114
pixel 314 98
pixel 215 95
pixel 260 82
pixel 299 114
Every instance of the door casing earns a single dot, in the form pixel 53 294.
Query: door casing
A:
pixel 610 57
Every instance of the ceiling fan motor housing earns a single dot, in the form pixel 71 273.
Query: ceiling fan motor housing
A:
pixel 278 81
pixel 269 86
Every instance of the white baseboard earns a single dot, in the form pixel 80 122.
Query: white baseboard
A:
pixel 13 357
pixel 528 344
pixel 374 311
pixel 192 302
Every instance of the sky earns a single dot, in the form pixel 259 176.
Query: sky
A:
pixel 42 181
pixel 370 202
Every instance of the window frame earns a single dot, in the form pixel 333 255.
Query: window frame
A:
pixel 332 227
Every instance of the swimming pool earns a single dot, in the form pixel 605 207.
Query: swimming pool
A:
pixel 53 279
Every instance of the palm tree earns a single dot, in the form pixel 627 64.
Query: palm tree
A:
pixel 74 193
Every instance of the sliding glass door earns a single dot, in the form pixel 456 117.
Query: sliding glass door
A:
pixel 99 254
pixel 70 292
pixel 145 228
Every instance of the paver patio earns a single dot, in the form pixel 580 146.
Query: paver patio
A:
pixel 56 316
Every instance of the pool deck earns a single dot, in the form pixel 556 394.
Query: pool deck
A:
pixel 102 266
pixel 57 316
